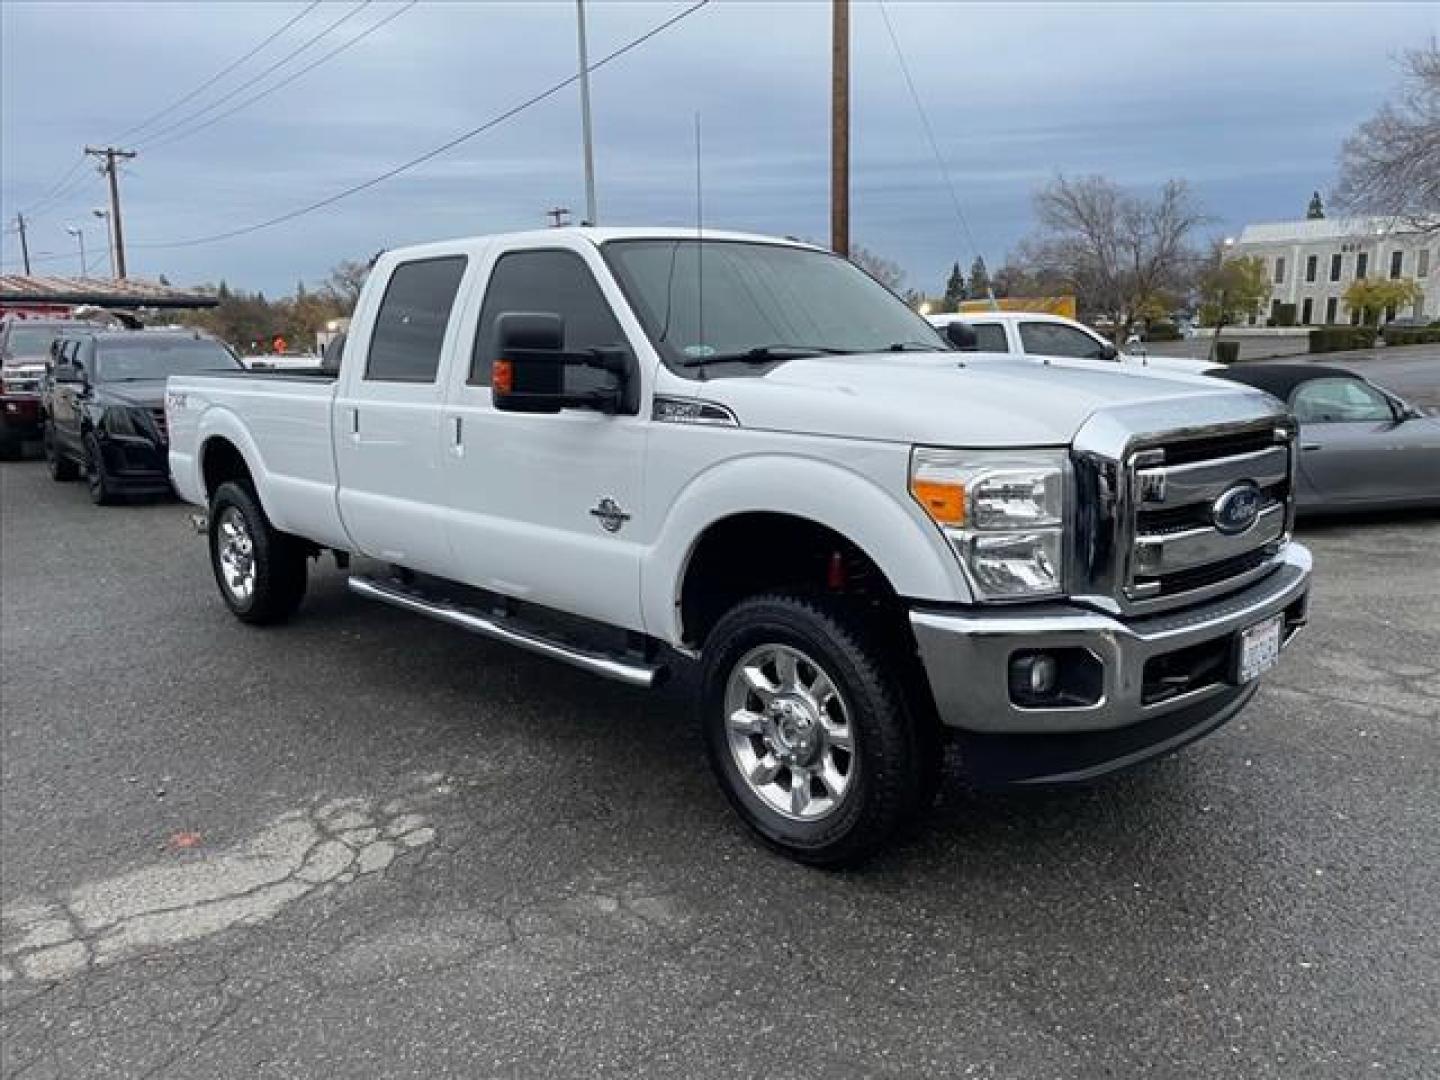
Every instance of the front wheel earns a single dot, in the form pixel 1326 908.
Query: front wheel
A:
pixel 97 476
pixel 808 730
pixel 260 570
pixel 61 468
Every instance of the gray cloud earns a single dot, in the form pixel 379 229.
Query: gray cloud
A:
pixel 1249 102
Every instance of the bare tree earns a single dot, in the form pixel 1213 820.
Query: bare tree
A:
pixel 345 281
pixel 881 269
pixel 1121 254
pixel 1391 165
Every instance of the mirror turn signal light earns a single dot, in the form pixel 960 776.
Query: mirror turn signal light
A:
pixel 943 501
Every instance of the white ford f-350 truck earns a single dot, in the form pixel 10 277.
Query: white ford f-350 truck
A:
pixel 629 449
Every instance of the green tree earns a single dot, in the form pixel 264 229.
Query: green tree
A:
pixel 979 287
pixel 1316 209
pixel 954 289
pixel 1231 290
pixel 1371 296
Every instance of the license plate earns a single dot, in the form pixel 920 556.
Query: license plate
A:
pixel 1259 648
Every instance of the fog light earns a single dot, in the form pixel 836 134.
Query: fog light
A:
pixel 1062 678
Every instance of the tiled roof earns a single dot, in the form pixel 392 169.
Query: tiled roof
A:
pixel 102 292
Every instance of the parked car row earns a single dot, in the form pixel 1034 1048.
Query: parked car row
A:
pixel 1361 447
pixel 94 397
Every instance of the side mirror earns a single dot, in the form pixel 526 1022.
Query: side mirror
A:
pixel 962 336
pixel 530 367
pixel 67 373
pixel 1108 352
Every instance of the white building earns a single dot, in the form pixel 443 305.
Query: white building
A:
pixel 1311 263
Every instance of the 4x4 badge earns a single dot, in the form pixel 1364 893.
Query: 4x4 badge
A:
pixel 610 515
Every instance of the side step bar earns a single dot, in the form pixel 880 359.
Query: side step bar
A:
pixel 626 671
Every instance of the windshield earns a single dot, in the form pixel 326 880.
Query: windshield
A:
pixel 31 341
pixel 708 300
pixel 159 357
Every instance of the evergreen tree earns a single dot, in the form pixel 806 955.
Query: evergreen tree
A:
pixel 979 288
pixel 954 289
pixel 1317 208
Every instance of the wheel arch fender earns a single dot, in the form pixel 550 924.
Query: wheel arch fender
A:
pixel 896 536
pixel 220 426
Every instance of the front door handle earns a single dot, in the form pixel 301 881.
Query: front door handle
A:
pixel 459 422
pixel 1310 446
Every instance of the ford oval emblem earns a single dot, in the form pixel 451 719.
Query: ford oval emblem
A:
pixel 1236 509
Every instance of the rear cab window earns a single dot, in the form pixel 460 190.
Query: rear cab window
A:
pixel 409 329
pixel 990 337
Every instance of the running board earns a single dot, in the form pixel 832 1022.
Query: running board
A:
pixel 629 672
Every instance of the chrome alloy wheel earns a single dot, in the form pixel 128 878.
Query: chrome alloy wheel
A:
pixel 236 551
pixel 789 732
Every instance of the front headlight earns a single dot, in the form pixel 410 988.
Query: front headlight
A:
pixel 1002 511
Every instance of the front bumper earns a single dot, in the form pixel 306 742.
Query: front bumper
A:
pixel 135 464
pixel 967 658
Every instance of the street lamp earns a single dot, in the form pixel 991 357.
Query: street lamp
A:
pixel 100 212
pixel 79 234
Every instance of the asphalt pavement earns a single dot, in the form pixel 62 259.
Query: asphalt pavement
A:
pixel 366 845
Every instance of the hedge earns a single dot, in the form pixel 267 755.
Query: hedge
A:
pixel 1417 335
pixel 1162 330
pixel 1341 338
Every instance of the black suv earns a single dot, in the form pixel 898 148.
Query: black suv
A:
pixel 105 405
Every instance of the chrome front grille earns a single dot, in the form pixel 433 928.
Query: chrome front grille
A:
pixel 1151 532
pixel 21 383
pixel 161 423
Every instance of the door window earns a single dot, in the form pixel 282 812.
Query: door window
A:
pixel 1057 339
pixel 410 326
pixel 990 337
pixel 1329 401
pixel 551 281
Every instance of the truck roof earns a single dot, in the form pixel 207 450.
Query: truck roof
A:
pixel 594 234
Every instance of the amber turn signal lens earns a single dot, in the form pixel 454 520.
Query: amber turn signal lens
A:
pixel 945 503
pixel 502 377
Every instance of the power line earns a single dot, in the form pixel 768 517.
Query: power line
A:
pixel 493 122
pixel 929 131
pixel 54 191
pixel 164 131
pixel 288 79
pixel 217 76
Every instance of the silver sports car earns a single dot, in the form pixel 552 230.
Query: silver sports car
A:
pixel 1361 447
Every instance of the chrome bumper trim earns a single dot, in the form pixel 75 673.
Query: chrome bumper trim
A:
pixel 967 655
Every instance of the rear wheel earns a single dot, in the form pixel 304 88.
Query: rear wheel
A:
pixel 260 570
pixel 61 468
pixel 808 729
pixel 97 477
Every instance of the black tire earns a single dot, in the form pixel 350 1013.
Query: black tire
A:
pixel 97 477
pixel 897 757
pixel 11 448
pixel 278 559
pixel 62 469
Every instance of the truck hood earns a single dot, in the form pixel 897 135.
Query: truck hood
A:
pixel 146 393
pixel 940 399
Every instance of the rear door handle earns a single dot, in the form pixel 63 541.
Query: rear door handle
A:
pixel 1310 446
pixel 355 425
pixel 459 422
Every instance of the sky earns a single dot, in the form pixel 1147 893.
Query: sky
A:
pixel 1248 102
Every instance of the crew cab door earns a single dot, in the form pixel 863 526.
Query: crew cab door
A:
pixel 386 420
pixel 544 505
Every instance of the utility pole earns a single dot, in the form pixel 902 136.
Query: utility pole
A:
pixel 109 155
pixel 24 244
pixel 590 212
pixel 840 127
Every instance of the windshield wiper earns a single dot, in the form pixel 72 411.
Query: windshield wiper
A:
pixel 763 354
pixel 914 346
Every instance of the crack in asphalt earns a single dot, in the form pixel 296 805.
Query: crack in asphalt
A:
pixel 297 855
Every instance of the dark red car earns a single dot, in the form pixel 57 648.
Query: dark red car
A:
pixel 24 352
